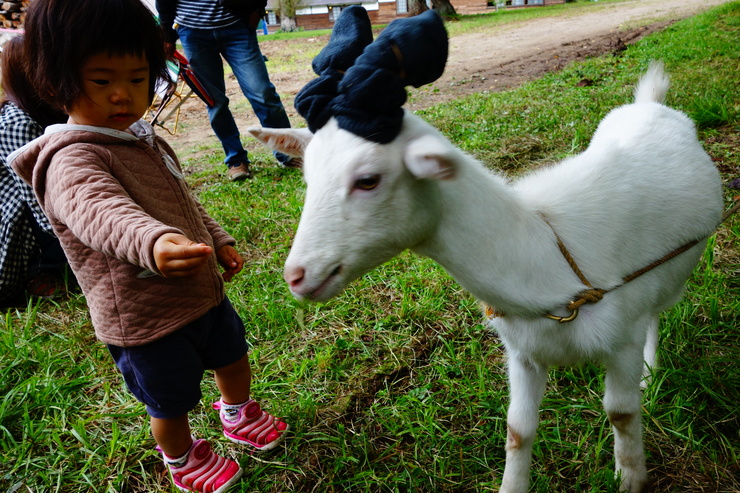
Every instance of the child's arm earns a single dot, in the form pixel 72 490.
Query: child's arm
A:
pixel 177 255
pixel 223 242
pixel 230 260
pixel 228 257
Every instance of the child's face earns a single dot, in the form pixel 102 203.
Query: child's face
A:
pixel 116 91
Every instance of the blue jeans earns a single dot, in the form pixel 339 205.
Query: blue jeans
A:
pixel 239 46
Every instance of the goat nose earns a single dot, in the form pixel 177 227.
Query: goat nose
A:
pixel 294 276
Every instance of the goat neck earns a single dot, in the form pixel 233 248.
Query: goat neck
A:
pixel 498 248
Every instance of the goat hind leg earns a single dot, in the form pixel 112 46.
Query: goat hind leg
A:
pixel 526 388
pixel 622 405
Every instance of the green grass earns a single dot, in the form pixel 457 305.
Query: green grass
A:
pixel 395 385
pixel 507 17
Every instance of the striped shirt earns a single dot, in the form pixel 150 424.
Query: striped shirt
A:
pixel 203 14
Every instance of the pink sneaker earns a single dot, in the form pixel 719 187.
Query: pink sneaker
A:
pixel 253 426
pixel 205 472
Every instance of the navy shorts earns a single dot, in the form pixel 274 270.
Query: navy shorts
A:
pixel 165 375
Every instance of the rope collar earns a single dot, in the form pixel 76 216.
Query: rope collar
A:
pixel 592 294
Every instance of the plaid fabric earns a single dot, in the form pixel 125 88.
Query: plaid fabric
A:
pixel 18 206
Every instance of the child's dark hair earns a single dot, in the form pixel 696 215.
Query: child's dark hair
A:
pixel 61 35
pixel 18 89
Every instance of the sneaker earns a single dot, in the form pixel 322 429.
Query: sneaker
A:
pixel 293 163
pixel 204 471
pixel 46 286
pixel 253 426
pixel 239 172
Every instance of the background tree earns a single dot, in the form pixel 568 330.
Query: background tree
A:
pixel 287 12
pixel 416 7
pixel 445 8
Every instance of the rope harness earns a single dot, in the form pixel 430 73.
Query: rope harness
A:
pixel 592 294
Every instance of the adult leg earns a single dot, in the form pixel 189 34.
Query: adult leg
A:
pixel 46 271
pixel 202 49
pixel 242 52
pixel 51 256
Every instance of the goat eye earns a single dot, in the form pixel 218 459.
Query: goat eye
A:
pixel 367 182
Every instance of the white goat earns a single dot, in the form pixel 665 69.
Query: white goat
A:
pixel 642 189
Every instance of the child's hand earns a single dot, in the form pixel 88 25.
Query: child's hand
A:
pixel 179 256
pixel 230 260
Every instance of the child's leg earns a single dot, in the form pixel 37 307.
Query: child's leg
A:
pixel 234 381
pixel 192 463
pixel 172 435
pixel 243 419
pixel 173 369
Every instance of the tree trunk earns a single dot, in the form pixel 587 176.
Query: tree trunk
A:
pixel 444 8
pixel 288 24
pixel 416 7
pixel 287 10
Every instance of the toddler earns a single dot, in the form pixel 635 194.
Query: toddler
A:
pixel 144 251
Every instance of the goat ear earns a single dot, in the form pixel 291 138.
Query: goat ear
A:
pixel 290 141
pixel 430 157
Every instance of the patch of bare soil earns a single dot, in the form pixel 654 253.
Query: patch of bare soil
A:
pixel 494 59
pixel 528 66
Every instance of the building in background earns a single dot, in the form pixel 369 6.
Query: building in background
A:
pixel 312 14
pixel 321 14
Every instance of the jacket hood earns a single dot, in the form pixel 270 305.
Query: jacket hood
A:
pixel 31 161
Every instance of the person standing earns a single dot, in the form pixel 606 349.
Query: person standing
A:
pixel 208 30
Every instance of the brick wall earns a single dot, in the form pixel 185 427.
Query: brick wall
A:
pixel 468 7
pixel 314 21
pixel 385 14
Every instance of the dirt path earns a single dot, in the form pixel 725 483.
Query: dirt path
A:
pixel 507 57
pixel 490 60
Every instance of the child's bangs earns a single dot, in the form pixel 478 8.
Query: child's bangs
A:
pixel 122 38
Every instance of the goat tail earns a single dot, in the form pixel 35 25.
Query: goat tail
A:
pixel 653 86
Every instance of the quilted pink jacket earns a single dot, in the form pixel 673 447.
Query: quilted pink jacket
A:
pixel 109 195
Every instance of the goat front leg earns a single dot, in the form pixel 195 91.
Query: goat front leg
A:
pixel 526 387
pixel 622 406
